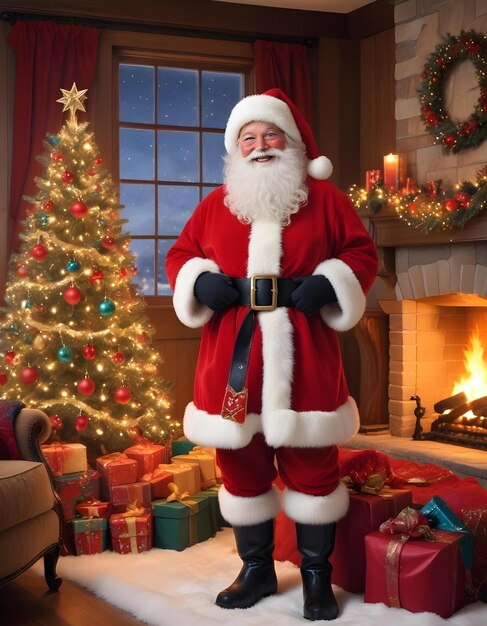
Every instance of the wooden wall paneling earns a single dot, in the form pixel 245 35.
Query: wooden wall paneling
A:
pixel 386 92
pixel 368 108
pixel 327 109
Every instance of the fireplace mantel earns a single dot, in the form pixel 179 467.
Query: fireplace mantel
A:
pixel 389 231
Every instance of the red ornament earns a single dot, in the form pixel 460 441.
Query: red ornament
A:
pixel 118 357
pixel 81 422
pixel 124 272
pixel 86 387
pixel 9 356
pixel 78 209
pixel 29 375
pixel 96 276
pixel 114 215
pixel 449 140
pixel 57 157
pixel 89 352
pixel 72 295
pixel 143 338
pixel 431 119
pixel 56 422
pixel 463 199
pixel 451 205
pixel 122 395
pixel 48 206
pixel 99 160
pixel 22 271
pixel 39 252
pixel 67 177
pixel 3 378
pixel 108 242
pixel 91 171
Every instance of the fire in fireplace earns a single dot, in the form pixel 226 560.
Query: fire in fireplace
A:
pixel 462 417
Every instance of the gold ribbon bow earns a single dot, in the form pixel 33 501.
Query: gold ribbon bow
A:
pixel 183 498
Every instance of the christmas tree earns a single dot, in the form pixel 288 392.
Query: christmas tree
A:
pixel 76 341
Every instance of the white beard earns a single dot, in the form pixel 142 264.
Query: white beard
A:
pixel 276 189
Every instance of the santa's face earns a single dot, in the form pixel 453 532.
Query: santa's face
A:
pixel 261 138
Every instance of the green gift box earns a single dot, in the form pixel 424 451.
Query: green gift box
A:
pixel 216 519
pixel 90 535
pixel 177 525
pixel 181 446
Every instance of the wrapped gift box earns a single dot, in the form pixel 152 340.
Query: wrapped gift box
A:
pixel 74 488
pixel 178 525
pixel 216 519
pixel 148 456
pixel 158 481
pixel 115 469
pixel 65 458
pixel 416 575
pixel 90 535
pixel 181 446
pixel 93 508
pixel 194 486
pixel 366 513
pixel 205 463
pixel 131 533
pixel 184 476
pixel 476 522
pixel 123 495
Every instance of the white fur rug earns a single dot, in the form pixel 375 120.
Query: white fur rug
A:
pixel 168 588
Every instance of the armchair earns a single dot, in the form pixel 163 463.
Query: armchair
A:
pixel 31 517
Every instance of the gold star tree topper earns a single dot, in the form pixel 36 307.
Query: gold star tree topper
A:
pixel 73 100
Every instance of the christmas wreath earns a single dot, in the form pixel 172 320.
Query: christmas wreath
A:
pixel 430 206
pixel 454 136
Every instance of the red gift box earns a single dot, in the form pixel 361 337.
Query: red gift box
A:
pixel 158 481
pixel 476 521
pixel 123 495
pixel 74 488
pixel 416 575
pixel 148 456
pixel 90 535
pixel 115 469
pixel 65 458
pixel 93 508
pixel 131 532
pixel 365 514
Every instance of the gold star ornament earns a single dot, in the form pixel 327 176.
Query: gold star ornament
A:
pixel 73 100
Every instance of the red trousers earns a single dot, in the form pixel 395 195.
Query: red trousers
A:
pixel 250 471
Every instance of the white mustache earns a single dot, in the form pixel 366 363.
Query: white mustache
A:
pixel 259 154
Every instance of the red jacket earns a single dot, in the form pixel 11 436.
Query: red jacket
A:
pixel 298 395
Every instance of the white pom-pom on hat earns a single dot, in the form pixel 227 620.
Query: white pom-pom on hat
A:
pixel 275 107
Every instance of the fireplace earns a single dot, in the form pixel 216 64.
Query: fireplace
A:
pixel 439 284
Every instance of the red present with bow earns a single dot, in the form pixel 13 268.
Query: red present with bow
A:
pixel 131 530
pixel 147 454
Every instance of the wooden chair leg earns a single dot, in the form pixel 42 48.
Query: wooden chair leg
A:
pixel 50 562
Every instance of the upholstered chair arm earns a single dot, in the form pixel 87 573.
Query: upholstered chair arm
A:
pixel 31 427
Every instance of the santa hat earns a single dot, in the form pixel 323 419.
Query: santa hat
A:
pixel 275 107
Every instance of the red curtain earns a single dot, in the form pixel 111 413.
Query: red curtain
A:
pixel 48 57
pixel 286 66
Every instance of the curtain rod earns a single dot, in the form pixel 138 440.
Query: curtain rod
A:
pixel 12 17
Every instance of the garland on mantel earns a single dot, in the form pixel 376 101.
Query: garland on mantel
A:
pixel 430 206
pixel 469 133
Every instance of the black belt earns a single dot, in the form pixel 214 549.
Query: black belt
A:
pixel 260 293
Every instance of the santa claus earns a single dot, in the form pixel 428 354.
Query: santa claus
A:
pixel 271 265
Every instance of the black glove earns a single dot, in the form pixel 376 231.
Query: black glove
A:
pixel 313 293
pixel 215 290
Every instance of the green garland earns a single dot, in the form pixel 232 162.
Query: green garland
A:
pixel 429 207
pixel 454 137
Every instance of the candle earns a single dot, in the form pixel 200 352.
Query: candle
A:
pixel 394 170
pixel 371 178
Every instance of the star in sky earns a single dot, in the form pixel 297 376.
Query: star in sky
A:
pixel 73 99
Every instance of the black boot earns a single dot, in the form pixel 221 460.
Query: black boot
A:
pixel 315 544
pixel 257 578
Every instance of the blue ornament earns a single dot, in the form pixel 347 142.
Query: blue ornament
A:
pixel 106 308
pixel 65 355
pixel 14 329
pixel 43 220
pixel 73 265
pixel 28 339
pixel 26 304
pixel 53 140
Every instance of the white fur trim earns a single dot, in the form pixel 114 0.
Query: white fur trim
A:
pixel 307 509
pixel 207 429
pixel 188 309
pixel 259 108
pixel 265 247
pixel 242 511
pixel 349 292
pixel 311 429
pixel 320 168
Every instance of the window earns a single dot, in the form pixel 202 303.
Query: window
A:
pixel 171 123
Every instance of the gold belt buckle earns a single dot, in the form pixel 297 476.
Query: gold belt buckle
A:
pixel 253 290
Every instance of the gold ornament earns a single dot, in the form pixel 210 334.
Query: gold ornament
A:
pixel 39 342
pixel 73 100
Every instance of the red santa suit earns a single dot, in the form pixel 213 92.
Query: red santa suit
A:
pixel 297 393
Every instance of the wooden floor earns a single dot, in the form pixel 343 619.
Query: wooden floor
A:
pixel 26 601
